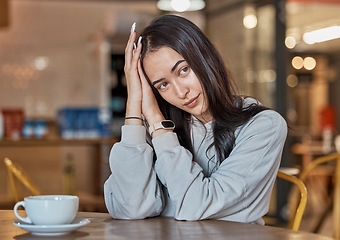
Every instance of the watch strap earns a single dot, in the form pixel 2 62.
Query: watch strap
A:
pixel 159 125
pixel 155 127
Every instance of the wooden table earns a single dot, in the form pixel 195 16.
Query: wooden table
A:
pixel 102 226
pixel 309 150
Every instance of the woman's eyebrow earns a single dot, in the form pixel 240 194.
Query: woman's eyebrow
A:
pixel 172 70
pixel 157 81
pixel 176 64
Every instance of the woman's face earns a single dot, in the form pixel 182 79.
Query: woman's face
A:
pixel 176 82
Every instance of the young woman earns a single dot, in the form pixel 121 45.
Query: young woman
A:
pixel 212 153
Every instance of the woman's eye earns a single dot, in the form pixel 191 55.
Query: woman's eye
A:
pixel 184 70
pixel 162 85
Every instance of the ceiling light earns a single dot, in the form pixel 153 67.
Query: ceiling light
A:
pixel 180 5
pixel 290 42
pixel 292 81
pixel 250 21
pixel 297 62
pixel 40 63
pixel 309 63
pixel 322 35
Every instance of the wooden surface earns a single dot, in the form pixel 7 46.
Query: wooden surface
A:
pixel 96 144
pixel 336 203
pixel 311 151
pixel 102 226
pixel 57 141
pixel 308 150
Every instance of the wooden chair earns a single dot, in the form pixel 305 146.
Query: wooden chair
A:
pixel 16 171
pixel 297 211
pixel 335 203
pixel 87 201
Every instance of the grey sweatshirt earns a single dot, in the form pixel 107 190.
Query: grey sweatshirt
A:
pixel 194 187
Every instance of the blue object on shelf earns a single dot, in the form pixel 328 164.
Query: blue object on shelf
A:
pixel 28 129
pixel 40 128
pixel 84 122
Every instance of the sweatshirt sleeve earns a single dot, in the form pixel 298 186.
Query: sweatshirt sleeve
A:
pixel 240 188
pixel 132 191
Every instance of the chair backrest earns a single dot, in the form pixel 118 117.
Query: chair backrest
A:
pixel 336 195
pixel 15 170
pixel 318 161
pixel 296 217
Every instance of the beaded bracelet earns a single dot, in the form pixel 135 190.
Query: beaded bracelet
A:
pixel 134 118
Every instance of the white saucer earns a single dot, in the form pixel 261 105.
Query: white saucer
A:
pixel 52 230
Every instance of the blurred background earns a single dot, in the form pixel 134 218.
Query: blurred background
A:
pixel 62 86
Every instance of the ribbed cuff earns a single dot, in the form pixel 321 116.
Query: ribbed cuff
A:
pixel 133 134
pixel 165 141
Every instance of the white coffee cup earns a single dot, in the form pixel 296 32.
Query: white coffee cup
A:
pixel 337 143
pixel 48 209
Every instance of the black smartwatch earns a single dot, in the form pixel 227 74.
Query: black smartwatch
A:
pixel 165 124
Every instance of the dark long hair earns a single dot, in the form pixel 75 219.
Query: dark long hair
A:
pixel 225 106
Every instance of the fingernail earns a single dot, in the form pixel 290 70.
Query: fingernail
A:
pixel 139 40
pixel 133 27
pixel 134 46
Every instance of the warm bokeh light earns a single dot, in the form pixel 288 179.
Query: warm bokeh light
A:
pixel 20 75
pixel 268 75
pixel 180 5
pixel 322 35
pixel 290 42
pixel 250 21
pixel 297 62
pixel 40 63
pixel 292 81
pixel 309 63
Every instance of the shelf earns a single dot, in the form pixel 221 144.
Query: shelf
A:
pixel 97 144
pixel 56 142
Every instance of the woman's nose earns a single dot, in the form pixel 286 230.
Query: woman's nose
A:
pixel 181 90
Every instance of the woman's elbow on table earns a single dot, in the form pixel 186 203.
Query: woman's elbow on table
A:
pixel 148 207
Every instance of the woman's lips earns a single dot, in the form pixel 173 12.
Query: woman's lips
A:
pixel 192 102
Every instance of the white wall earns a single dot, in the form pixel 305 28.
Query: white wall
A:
pixel 68 33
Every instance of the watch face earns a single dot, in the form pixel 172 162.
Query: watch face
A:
pixel 168 124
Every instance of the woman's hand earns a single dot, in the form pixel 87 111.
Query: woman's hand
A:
pixel 150 108
pixel 140 96
pixel 134 86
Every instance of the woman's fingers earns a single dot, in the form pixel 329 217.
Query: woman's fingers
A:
pixel 143 79
pixel 136 55
pixel 130 45
pixel 146 89
pixel 133 82
pixel 150 107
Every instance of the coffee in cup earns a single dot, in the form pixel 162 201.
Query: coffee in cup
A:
pixel 48 209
